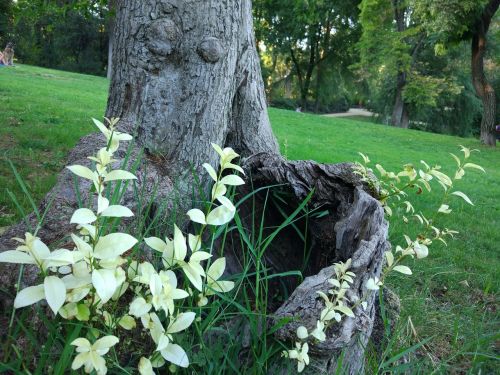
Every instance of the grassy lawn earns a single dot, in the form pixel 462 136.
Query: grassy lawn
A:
pixel 452 296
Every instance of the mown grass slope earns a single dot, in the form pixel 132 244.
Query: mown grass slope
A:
pixel 453 294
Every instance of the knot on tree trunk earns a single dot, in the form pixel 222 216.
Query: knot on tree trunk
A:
pixel 164 37
pixel 344 222
pixel 210 49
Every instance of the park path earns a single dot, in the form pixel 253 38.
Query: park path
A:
pixel 351 112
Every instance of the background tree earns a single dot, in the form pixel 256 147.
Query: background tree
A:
pixel 6 19
pixel 452 21
pixel 312 39
pixel 389 45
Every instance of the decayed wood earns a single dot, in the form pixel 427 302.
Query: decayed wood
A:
pixel 354 228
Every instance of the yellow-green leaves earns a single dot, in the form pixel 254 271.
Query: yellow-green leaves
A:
pixel 463 196
pixel 29 296
pixel 220 215
pixel 402 269
pixel 105 283
pixel 90 356
pixel 83 216
pixel 139 307
pixel 55 292
pixel 211 171
pixel 214 273
pixel 118 174
pixel 302 333
pixel 17 257
pixel 444 209
pixel 117 211
pixel 82 171
pixel 373 283
pixel 197 216
pixel 421 250
pixel 145 367
pixel 300 353
pixel 113 245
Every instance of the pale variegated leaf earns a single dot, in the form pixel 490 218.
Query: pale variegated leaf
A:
pixel 113 245
pixel 156 243
pixel 181 322
pixel 104 130
pixel 403 269
pixel 345 310
pixel 221 286
pixel 217 149
pixel 81 245
pixel 220 215
pixel 232 180
pixel 117 211
pixel 390 258
pixel 102 203
pixel 105 284
pixel 235 167
pixel 83 216
pixel 199 256
pixel 421 250
pixel 119 174
pixel 29 296
pixel 145 367
pixel 18 257
pixel 211 171
pixel 197 216
pixel 61 257
pixel 463 196
pixel 104 343
pixel 176 355
pixel 226 202
pixel 82 171
pixel 194 242
pixel 180 248
pixel 218 190
pixel 216 269
pixel 194 275
pixel 55 292
pixel 127 322
pixel 474 166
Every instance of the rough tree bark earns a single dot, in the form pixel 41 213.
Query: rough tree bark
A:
pixel 483 88
pixel 400 116
pixel 354 228
pixel 186 73
pixel 111 36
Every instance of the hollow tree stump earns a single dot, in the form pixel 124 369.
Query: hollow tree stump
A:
pixel 354 228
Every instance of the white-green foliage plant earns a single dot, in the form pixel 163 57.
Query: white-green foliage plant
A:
pixel 108 288
pixel 392 189
pixel 336 306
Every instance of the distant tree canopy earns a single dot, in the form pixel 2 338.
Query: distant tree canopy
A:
pixel 410 61
pixel 69 35
pixel 6 19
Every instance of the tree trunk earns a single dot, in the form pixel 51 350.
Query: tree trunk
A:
pixel 400 117
pixel 483 88
pixel 111 36
pixel 188 74
pixel 400 113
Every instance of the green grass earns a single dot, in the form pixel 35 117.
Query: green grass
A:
pixel 453 294
pixel 43 113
